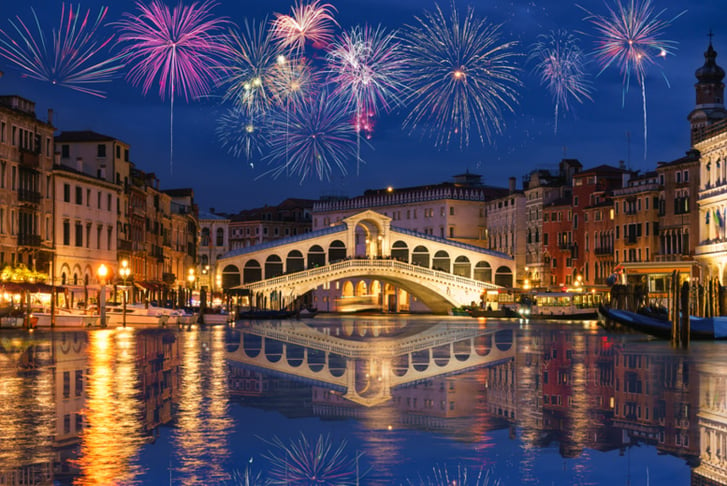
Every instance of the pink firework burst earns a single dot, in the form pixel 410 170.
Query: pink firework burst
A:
pixel 630 36
pixel 74 58
pixel 309 23
pixel 178 48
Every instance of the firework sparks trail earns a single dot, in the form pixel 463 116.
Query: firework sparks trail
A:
pixel 312 23
pixel 442 476
pixel 72 58
pixel 630 36
pixel 463 77
pixel 560 65
pixel 250 59
pixel 304 462
pixel 242 133
pixel 319 139
pixel 366 66
pixel 177 48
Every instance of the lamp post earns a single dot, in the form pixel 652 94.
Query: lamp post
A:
pixel 124 271
pixel 190 278
pixel 102 272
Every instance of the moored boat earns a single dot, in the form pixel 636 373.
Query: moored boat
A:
pixel 136 314
pixel 67 318
pixel 559 305
pixel 704 328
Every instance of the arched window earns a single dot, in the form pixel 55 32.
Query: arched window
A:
pixel 220 237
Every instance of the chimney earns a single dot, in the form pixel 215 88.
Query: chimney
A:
pixel 512 184
pixel 50 116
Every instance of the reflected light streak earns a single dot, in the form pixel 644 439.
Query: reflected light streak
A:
pixel 112 438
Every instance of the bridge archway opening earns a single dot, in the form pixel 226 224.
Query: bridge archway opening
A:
pixel 316 359
pixel 483 344
pixel 420 256
pixel 441 355
pixel 252 272
pixel 420 360
pixel 400 251
pixel 273 350
pixel 483 272
pixel 368 235
pixel 400 365
pixel 336 251
pixel 294 262
pixel 316 256
pixel 336 364
pixel 347 289
pixel 252 344
pixel 230 277
pixel 361 288
pixel 462 350
pixel 462 266
pixel 273 266
pixel 294 355
pixel 504 277
pixel 442 262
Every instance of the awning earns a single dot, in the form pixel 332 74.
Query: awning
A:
pixel 27 287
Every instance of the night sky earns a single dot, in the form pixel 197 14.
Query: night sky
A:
pixel 596 132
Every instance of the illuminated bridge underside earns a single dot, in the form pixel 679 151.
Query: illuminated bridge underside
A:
pixel 437 290
pixel 369 370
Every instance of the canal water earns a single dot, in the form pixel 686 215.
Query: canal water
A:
pixel 361 400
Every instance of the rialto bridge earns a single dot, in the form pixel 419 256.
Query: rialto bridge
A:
pixel 366 370
pixel 441 273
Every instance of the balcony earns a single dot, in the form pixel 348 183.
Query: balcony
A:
pixel 606 250
pixel 29 240
pixel 27 196
pixel 567 246
pixel 29 158
pixel 124 245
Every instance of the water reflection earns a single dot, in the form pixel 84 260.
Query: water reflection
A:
pixel 192 406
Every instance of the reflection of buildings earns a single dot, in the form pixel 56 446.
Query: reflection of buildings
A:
pixel 712 426
pixel 77 406
pixel 656 399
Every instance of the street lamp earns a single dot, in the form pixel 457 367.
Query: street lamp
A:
pixel 124 271
pixel 190 277
pixel 102 272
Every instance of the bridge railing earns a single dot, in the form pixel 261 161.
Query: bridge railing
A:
pixel 332 268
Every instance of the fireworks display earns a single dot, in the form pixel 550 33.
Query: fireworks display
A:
pixel 75 56
pixel 312 23
pixel 463 77
pixel 178 49
pixel 460 476
pixel 366 68
pixel 248 61
pixel 304 462
pixel 630 36
pixel 242 133
pixel 313 140
pixel 560 64
pixel 447 77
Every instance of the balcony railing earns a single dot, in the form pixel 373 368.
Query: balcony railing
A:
pixel 124 245
pixel 29 240
pixel 29 158
pixel 27 196
pixel 603 251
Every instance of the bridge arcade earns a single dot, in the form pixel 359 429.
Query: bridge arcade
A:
pixel 366 245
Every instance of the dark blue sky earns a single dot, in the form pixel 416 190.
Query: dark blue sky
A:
pixel 595 132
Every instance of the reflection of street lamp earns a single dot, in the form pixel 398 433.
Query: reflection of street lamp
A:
pixel 124 271
pixel 102 272
pixel 190 277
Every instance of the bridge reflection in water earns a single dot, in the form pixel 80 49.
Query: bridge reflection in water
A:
pixel 365 359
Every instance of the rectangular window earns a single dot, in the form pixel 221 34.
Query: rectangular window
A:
pixel 66 384
pixel 79 234
pixel 101 150
pixel 79 195
pixel 66 232
pixel 65 151
pixel 108 202
pixel 109 232
pixel 66 193
pixel 79 383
